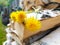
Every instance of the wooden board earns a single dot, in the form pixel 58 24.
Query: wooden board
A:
pixel 46 24
pixel 28 4
pixel 55 1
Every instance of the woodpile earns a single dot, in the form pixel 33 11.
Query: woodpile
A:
pixel 22 36
pixel 28 4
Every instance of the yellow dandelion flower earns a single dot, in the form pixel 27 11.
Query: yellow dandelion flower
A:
pixel 13 16
pixel 20 16
pixel 32 24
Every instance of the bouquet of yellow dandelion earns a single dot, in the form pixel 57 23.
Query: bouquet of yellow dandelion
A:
pixel 31 24
pixel 18 16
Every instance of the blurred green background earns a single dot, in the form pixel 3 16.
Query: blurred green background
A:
pixel 2 32
pixel 2 27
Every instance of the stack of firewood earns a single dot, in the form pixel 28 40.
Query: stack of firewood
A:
pixel 18 35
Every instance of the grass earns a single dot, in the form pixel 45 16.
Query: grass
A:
pixel 2 32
